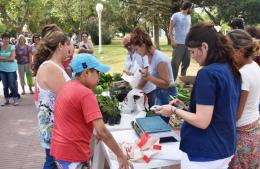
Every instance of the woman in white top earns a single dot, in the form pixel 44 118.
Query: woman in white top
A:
pixel 248 134
pixel 50 78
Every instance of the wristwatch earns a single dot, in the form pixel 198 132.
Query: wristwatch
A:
pixel 174 110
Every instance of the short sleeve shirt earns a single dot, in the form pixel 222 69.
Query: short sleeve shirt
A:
pixel 215 85
pixel 182 26
pixel 23 54
pixel 76 108
pixel 8 66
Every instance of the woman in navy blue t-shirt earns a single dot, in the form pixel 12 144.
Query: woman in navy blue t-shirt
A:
pixel 208 135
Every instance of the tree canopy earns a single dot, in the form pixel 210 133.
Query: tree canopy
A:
pixel 118 15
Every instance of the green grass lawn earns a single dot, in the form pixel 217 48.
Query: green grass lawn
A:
pixel 114 54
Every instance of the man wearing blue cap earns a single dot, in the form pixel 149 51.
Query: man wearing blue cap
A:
pixel 76 115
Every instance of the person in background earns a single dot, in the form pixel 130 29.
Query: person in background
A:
pixel 85 46
pixel 255 33
pixel 208 134
pixel 160 70
pixel 24 60
pixel 179 27
pixel 50 78
pixel 8 68
pixel 13 41
pixel 131 57
pixel 35 42
pixel 68 59
pixel 236 23
pixel 76 115
pixel 133 63
pixel 248 132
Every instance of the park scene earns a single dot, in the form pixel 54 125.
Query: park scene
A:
pixel 129 84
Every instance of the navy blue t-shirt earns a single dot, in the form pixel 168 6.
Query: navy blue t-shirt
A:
pixel 215 85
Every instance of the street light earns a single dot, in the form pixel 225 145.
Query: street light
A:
pixel 99 8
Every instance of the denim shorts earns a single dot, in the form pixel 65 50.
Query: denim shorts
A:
pixel 163 95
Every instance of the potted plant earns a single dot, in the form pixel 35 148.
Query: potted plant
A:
pixel 110 108
pixel 102 104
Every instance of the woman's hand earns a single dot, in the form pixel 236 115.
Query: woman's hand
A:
pixel 165 110
pixel 144 72
pixel 177 103
pixel 124 163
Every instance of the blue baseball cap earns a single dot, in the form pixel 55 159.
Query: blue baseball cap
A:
pixel 87 61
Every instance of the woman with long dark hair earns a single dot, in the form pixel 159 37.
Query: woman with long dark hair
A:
pixel 208 134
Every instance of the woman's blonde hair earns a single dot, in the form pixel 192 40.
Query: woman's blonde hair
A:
pixel 21 39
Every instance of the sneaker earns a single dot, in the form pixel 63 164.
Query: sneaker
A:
pixel 16 103
pixel 5 103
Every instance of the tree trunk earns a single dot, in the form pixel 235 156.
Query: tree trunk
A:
pixel 165 28
pixel 156 34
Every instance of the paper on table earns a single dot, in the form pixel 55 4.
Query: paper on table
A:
pixel 127 78
pixel 170 151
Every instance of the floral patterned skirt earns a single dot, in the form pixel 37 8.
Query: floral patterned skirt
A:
pixel 72 165
pixel 248 146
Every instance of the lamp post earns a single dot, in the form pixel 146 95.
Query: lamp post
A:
pixel 99 8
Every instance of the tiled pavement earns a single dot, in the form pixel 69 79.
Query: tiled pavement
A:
pixel 19 139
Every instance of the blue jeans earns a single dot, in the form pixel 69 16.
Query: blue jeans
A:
pixel 9 81
pixel 163 97
pixel 49 161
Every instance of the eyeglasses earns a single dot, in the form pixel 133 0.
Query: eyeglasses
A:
pixel 84 36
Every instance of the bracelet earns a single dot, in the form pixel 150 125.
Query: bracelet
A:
pixel 174 109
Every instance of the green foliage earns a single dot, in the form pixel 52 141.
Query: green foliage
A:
pixel 2 27
pixel 108 31
pixel 98 89
pixel 196 18
pixel 110 105
pixel 117 77
pixel 223 11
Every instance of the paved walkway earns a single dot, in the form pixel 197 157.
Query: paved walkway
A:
pixel 19 138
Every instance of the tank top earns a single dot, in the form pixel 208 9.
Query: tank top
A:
pixel 46 102
pixel 47 97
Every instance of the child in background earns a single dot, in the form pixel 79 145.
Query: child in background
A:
pixel 76 115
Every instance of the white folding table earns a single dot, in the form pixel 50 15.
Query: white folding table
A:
pixel 169 155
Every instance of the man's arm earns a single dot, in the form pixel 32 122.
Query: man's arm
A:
pixel 170 33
